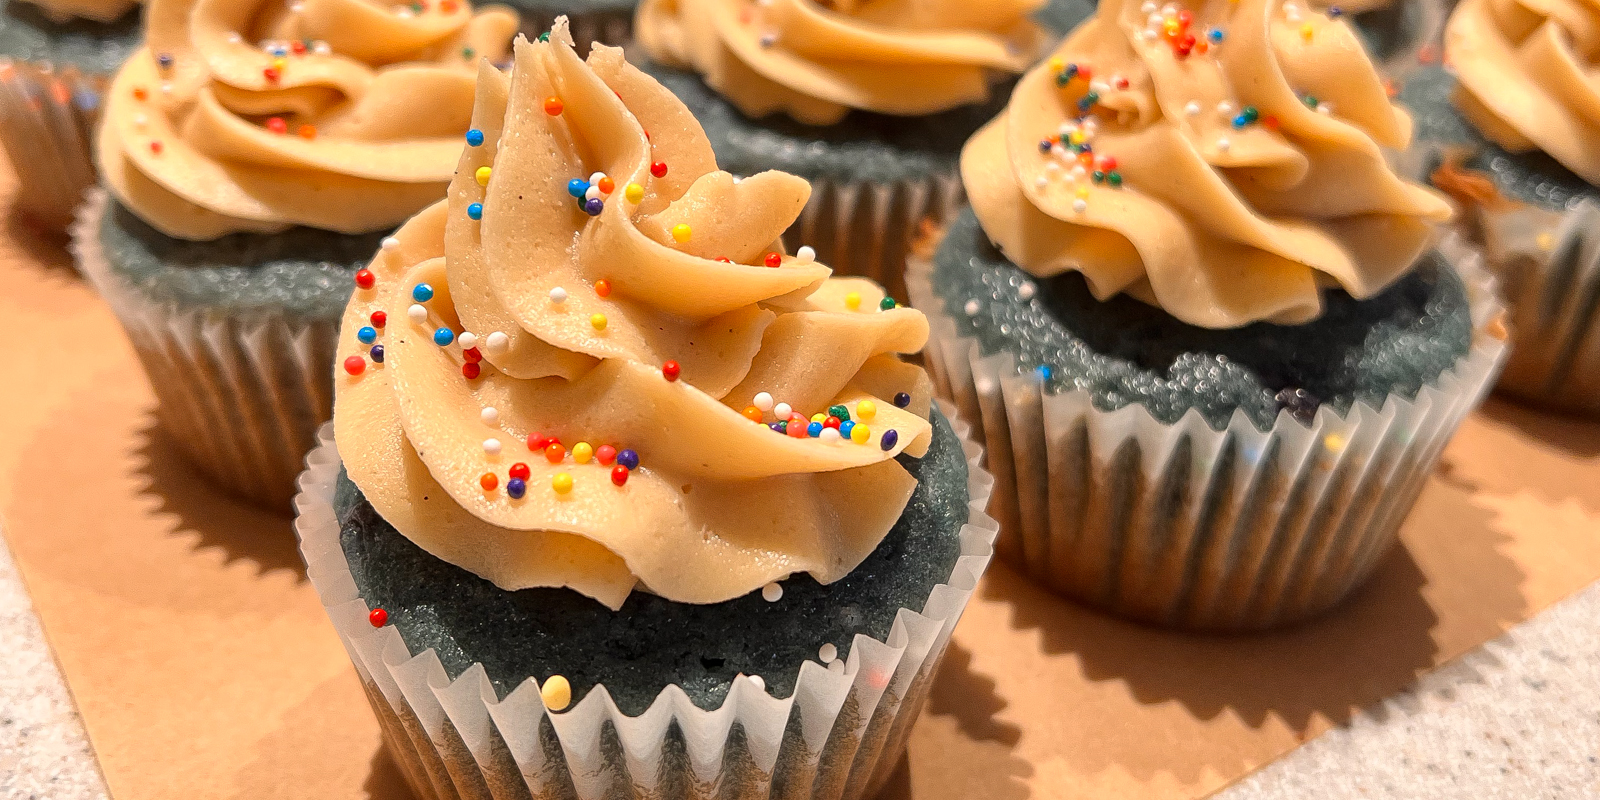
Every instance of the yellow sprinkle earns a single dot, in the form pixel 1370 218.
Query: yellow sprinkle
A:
pixel 866 409
pixel 634 193
pixel 860 434
pixel 1171 26
pixel 1077 136
pixel 557 693
pixel 1083 192
pixel 681 232
pixel 1334 442
pixel 598 321
pixel 483 175
pixel 280 63
pixel 1546 241
pixel 852 300
pixel 1056 65
pixel 562 483
pixel 1306 31
pixel 582 452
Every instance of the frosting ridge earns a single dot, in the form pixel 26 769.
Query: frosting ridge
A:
pixel 1527 76
pixel 1222 160
pixel 818 59
pixel 586 347
pixel 257 116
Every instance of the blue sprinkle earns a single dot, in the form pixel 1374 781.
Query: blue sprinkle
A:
pixel 814 430
pixel 1241 121
pixel 891 438
pixel 422 293
pixel 367 335
pixel 443 337
pixel 594 207
pixel 1215 34
pixel 377 354
pixel 165 60
pixel 86 99
pixel 1335 12
pixel 475 211
pixel 516 488
pixel 629 459
pixel 1045 372
pixel 902 400
pixel 845 428
pixel 475 138
pixel 577 187
pixel 779 427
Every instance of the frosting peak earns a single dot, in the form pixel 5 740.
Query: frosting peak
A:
pixel 1221 160
pixel 817 60
pixel 257 115
pixel 579 374
pixel 1528 77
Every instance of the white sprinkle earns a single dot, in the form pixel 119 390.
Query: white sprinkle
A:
pixel 1041 181
pixel 498 341
pixel 558 295
pixel 1080 205
pixel 490 415
pixel 1225 108
pixel 1223 144
pixel 1170 8
pixel 1026 290
pixel 1079 172
pixel 763 401
pixel 594 180
pixel 166 87
pixel 321 48
pixel 782 411
pixel 828 653
pixel 1193 108
pixel 468 340
pixel 972 308
pixel 1325 108
pixel 1149 7
pixel 593 193
pixel 1154 20
pixel 830 435
pixel 1149 34
pixel 418 313
pixel 1052 167
pixel 235 38
pixel 760 684
pixel 390 242
pixel 297 7
pixel 1100 86
pixel 805 255
pixel 491 446
pixel 772 592
pixel 141 120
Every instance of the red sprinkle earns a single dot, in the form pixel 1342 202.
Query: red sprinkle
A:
pixel 355 365
pixel 271 74
pixel 520 471
pixel 155 147
pixel 277 125
pixel 605 454
pixel 379 319
pixel 472 355
pixel 659 169
pixel 365 279
pixel 831 422
pixel 555 453
pixel 619 475
pixel 774 260
pixel 1270 121
pixel 471 371
pixel 670 370
pixel 378 617
pixel 299 48
pixel 489 482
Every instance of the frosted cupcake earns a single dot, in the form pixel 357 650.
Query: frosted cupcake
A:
pixel 1213 354
pixel 55 57
pixel 622 499
pixel 255 154
pixel 1511 137
pixel 870 102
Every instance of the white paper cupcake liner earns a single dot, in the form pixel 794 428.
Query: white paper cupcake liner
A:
pixel 47 120
pixel 866 229
pixel 606 27
pixel 1191 527
pixel 839 735
pixel 241 395
pixel 1548 266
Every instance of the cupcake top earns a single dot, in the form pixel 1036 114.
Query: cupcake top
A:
pixel 592 366
pixel 256 116
pixel 818 59
pixel 98 10
pixel 1528 78
pixel 1220 160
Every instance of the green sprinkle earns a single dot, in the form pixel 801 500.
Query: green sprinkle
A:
pixel 1115 179
pixel 544 37
pixel 839 411
pixel 887 304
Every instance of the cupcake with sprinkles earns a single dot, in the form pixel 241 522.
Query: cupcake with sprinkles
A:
pixel 1508 130
pixel 625 500
pixel 55 59
pixel 254 154
pixel 1213 352
pixel 870 102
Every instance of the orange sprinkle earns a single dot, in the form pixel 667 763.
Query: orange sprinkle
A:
pixel 602 287
pixel 139 93
pixel 308 131
pixel 553 106
pixel 489 481
pixel 752 413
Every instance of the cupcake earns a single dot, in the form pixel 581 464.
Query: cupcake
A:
pixel 55 57
pixel 870 102
pixel 255 154
pixel 1506 131
pixel 1211 351
pixel 575 521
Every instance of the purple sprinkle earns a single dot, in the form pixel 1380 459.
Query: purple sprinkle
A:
pixel 778 427
pixel 516 487
pixel 902 400
pixel 377 354
pixel 891 438
pixel 629 459
pixel 594 206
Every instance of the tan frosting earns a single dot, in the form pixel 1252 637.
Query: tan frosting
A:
pixel 1529 77
pixel 1219 225
pixel 373 111
pixel 817 60
pixel 719 505
pixel 100 10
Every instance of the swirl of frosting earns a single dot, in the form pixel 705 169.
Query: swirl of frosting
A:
pixel 1222 162
pixel 586 391
pixel 250 115
pixel 818 59
pixel 98 10
pixel 1529 78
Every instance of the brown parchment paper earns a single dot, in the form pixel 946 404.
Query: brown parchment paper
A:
pixel 204 667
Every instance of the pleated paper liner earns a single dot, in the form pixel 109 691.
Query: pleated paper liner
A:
pixel 1548 266
pixel 1186 526
pixel 47 119
pixel 839 735
pixel 242 394
pixel 867 229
